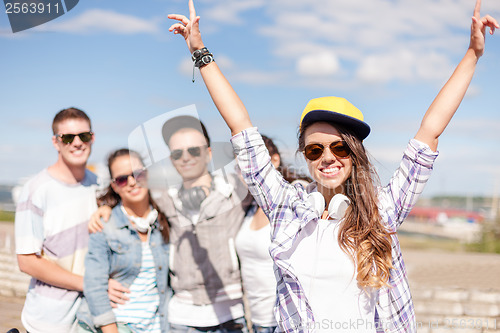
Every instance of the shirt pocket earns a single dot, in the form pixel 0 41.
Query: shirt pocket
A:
pixel 121 256
pixel 118 246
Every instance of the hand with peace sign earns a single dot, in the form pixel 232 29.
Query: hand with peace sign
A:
pixel 449 98
pixel 188 28
pixel 225 98
pixel 478 29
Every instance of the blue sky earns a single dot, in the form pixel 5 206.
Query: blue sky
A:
pixel 117 61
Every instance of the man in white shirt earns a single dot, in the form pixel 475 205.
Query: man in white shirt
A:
pixel 51 227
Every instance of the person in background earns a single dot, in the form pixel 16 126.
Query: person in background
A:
pixel 132 249
pixel 252 246
pixel 205 213
pixel 51 227
pixel 334 244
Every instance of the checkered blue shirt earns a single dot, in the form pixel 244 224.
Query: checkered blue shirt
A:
pixel 289 211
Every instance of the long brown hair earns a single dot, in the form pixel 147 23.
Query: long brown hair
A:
pixel 362 234
pixel 111 198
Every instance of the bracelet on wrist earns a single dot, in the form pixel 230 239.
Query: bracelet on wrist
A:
pixel 201 58
pixel 199 53
pixel 204 60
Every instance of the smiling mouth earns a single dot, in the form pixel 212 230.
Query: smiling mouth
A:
pixel 330 171
pixel 187 166
pixel 78 152
pixel 136 190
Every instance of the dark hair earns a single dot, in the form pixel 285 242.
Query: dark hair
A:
pixel 111 198
pixel 174 125
pixel 363 234
pixel 69 113
pixel 287 173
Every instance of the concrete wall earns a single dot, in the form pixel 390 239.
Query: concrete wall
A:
pixel 457 310
pixel 12 281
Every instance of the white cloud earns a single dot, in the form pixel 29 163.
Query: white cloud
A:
pixel 233 72
pixel 477 128
pixel 322 64
pixel 229 11
pixel 256 77
pixel 377 40
pixel 385 155
pixel 7 148
pixel 387 67
pixel 433 66
pixel 99 20
pixel 224 62
pixel 186 65
pixel 404 65
pixel 473 91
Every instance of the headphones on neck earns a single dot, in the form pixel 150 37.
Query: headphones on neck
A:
pixel 337 206
pixel 142 224
pixel 192 198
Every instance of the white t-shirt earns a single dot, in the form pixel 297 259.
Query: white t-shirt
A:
pixel 257 270
pixel 328 276
pixel 51 221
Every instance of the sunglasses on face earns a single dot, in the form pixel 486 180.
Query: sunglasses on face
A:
pixel 68 138
pixel 338 148
pixel 139 175
pixel 193 151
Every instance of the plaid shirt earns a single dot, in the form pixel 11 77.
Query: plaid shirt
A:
pixel 289 211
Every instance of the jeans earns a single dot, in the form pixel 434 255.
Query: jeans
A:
pixel 233 326
pixel 122 328
pixel 263 329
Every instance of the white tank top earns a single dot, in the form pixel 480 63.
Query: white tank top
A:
pixel 257 272
pixel 328 276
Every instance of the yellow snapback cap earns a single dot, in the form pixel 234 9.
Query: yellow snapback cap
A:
pixel 335 110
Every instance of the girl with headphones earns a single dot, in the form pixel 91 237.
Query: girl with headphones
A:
pixel 337 257
pixel 131 249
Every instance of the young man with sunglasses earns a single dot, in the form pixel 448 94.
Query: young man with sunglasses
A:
pixel 205 214
pixel 51 227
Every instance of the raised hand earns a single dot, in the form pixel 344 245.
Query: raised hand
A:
pixel 188 28
pixel 478 29
pixel 449 98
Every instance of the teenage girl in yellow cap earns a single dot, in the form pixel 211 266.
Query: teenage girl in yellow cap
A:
pixel 337 257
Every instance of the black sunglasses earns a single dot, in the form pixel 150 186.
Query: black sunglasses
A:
pixel 68 138
pixel 338 148
pixel 139 175
pixel 193 151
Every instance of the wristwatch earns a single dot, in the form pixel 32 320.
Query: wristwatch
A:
pixel 204 60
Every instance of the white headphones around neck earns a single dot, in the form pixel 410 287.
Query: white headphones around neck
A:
pixel 336 208
pixel 142 224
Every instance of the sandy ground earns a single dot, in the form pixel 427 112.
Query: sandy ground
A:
pixel 461 270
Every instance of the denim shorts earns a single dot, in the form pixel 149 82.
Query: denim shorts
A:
pixel 233 326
